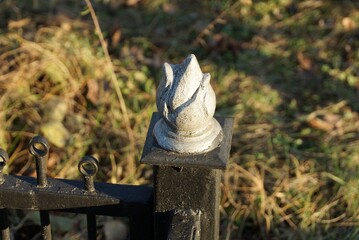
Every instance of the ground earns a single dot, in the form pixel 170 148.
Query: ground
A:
pixel 287 70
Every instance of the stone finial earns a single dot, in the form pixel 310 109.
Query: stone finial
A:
pixel 186 103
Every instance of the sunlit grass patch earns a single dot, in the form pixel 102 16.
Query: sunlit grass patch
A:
pixel 58 85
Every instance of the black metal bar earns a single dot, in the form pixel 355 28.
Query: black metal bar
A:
pixel 91 226
pixel 61 194
pixel 45 224
pixel 4 224
pixel 141 222
pixel 41 172
pixel 89 183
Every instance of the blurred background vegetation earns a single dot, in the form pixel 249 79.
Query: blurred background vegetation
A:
pixel 287 70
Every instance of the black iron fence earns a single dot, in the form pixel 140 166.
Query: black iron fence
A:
pixel 182 204
pixel 86 197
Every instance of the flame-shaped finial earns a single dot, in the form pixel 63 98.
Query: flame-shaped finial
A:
pixel 186 102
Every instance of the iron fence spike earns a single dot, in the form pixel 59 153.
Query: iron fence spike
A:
pixel 88 167
pixel 39 148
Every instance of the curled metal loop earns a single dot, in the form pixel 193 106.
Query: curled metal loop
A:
pixel 39 147
pixel 88 166
pixel 4 157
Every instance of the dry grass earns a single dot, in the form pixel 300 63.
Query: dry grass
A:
pixel 286 70
pixel 57 80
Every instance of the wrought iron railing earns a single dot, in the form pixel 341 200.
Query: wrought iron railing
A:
pixel 86 197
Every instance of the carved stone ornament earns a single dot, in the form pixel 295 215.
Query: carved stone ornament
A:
pixel 186 102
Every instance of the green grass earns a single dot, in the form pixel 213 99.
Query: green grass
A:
pixel 285 69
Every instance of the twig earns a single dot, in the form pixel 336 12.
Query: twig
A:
pixel 115 84
pixel 213 23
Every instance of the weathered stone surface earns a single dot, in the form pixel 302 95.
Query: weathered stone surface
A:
pixel 186 102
